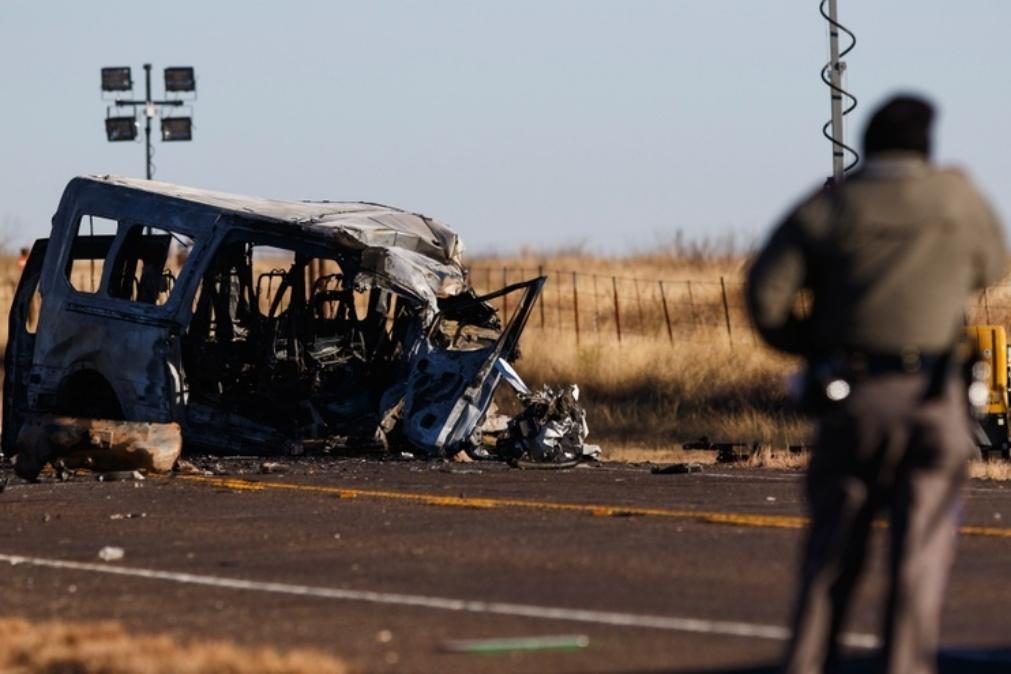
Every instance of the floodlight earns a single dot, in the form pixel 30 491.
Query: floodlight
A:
pixel 120 128
pixel 117 79
pixel 176 128
pixel 180 78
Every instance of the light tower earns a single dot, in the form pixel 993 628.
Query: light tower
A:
pixel 122 127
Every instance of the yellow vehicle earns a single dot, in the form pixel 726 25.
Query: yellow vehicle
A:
pixel 991 430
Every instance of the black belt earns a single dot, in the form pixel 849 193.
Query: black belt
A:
pixel 894 363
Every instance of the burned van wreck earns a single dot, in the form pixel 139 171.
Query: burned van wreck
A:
pixel 250 326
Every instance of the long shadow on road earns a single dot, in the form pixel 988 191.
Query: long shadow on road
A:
pixel 962 661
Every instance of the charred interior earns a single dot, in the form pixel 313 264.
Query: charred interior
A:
pixel 284 337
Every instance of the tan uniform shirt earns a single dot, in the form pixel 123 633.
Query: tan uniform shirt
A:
pixel 891 257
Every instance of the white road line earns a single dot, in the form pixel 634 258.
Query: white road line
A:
pixel 612 618
pixel 754 478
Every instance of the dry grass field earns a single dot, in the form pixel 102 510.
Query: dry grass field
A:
pixel 58 647
pixel 650 393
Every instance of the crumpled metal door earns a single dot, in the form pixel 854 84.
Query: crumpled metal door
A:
pixel 448 392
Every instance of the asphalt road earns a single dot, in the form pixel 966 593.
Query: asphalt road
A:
pixel 384 563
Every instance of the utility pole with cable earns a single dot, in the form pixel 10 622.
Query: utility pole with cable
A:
pixel 832 75
pixel 836 71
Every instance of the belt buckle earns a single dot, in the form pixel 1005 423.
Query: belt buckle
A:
pixel 857 364
pixel 911 360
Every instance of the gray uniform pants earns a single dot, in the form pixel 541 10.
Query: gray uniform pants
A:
pixel 886 448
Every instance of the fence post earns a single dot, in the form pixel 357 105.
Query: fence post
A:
pixel 558 299
pixel 691 303
pixel 986 306
pixel 540 300
pixel 505 298
pixel 726 312
pixel 575 304
pixel 638 306
pixel 596 309
pixel 618 313
pixel 666 313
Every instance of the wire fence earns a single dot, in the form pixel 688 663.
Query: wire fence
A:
pixel 601 307
pixel 597 307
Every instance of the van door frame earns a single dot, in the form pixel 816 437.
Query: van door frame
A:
pixel 20 347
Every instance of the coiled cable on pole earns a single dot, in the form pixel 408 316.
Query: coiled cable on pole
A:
pixel 838 93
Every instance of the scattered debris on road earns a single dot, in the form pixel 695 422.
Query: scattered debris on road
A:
pixel 726 452
pixel 127 516
pixel 268 467
pixel 121 476
pixel 111 553
pixel 551 428
pixel 677 469
pixel 184 467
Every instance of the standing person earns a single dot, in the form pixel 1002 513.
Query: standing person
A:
pixel 889 258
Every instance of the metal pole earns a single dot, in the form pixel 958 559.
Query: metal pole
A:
pixel 617 310
pixel 575 305
pixel 540 300
pixel 558 298
pixel 638 305
pixel 148 114
pixel 691 303
pixel 835 75
pixel 596 309
pixel 726 312
pixel 666 313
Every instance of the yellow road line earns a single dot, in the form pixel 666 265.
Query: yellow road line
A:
pixel 711 517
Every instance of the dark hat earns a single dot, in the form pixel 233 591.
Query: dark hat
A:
pixel 901 123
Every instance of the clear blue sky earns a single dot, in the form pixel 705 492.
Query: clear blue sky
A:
pixel 540 123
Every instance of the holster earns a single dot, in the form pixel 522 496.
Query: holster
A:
pixel 813 398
